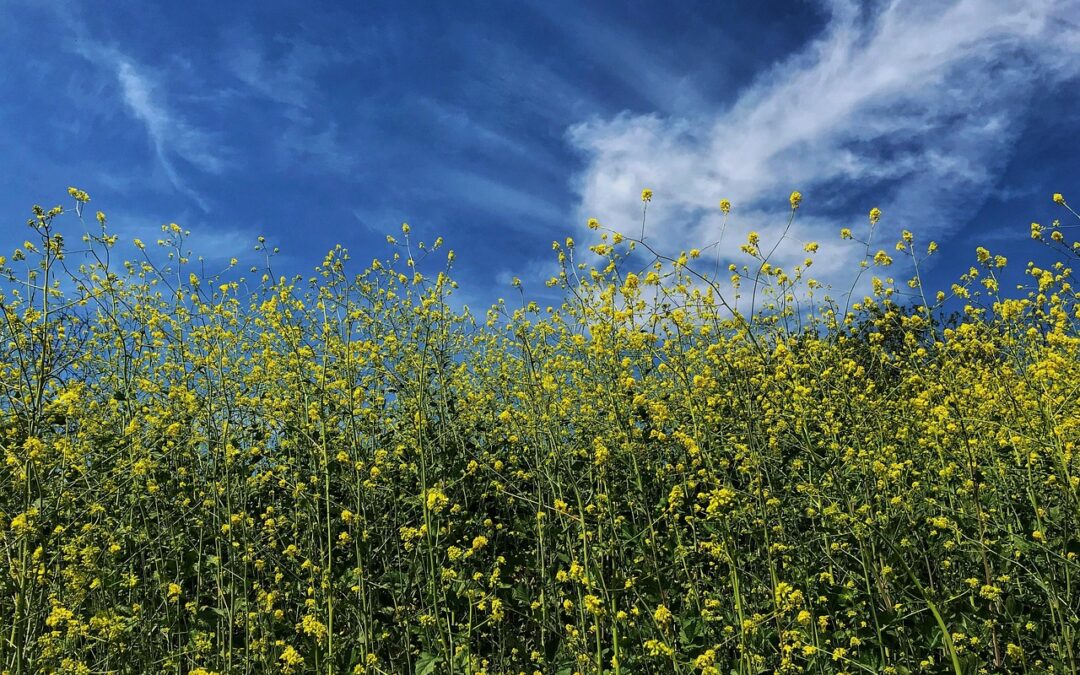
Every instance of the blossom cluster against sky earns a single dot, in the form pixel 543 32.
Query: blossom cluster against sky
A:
pixel 502 126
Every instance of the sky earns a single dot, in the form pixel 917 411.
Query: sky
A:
pixel 502 126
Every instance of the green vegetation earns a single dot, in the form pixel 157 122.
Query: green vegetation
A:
pixel 212 474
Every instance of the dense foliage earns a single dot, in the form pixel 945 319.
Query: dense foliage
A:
pixel 670 472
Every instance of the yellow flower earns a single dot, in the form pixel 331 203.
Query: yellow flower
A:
pixel 21 523
pixel 875 215
pixel 725 206
pixel 593 604
pixel 436 500
pixel 795 199
pixel 646 195
pixel 705 660
pixel 291 657
pixel 990 592
pixel 882 258
pixel 658 648
pixel 309 625
pixel 1059 198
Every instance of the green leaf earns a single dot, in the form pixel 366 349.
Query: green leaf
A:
pixel 426 663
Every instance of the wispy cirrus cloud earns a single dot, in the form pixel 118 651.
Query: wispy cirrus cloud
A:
pixel 286 72
pixel 289 79
pixel 171 136
pixel 913 106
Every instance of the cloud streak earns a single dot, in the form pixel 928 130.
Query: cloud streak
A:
pixel 170 135
pixel 913 106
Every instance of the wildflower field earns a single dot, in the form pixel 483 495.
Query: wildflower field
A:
pixel 672 471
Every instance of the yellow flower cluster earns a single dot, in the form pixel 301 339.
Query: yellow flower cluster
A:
pixel 683 466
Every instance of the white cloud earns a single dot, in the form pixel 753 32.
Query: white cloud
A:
pixel 916 103
pixel 286 71
pixel 166 131
pixel 170 135
pixel 518 208
pixel 288 79
pixel 300 148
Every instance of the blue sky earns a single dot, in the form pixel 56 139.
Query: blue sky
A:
pixel 504 125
